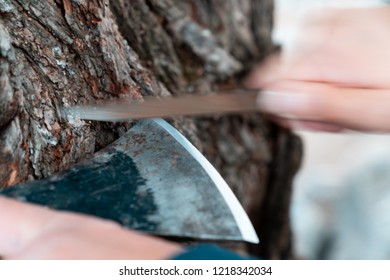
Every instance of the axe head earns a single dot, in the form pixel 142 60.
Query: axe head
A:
pixel 153 180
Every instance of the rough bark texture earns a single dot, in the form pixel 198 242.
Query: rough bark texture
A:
pixel 58 53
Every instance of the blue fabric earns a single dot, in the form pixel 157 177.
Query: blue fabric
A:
pixel 209 252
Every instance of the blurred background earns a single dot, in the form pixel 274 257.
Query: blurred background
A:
pixel 341 200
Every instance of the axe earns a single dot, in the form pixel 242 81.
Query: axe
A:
pixel 152 179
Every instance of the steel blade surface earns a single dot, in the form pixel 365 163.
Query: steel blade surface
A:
pixel 149 180
pixel 209 104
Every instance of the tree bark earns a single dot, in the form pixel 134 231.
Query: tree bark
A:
pixel 59 53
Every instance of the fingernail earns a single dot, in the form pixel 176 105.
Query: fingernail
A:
pixel 285 104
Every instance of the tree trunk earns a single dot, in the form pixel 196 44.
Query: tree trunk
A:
pixel 58 53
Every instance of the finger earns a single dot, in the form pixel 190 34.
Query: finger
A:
pixel 20 223
pixel 268 72
pixel 308 125
pixel 315 126
pixel 354 108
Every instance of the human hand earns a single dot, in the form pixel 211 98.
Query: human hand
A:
pixel 335 75
pixel 33 232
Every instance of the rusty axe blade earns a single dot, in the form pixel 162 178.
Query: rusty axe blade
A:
pixel 152 179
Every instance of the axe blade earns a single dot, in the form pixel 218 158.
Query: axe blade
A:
pixel 153 180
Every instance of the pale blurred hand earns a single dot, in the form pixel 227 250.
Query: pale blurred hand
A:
pixel 335 75
pixel 32 232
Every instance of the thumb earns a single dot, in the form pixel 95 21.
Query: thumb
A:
pixel 19 223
